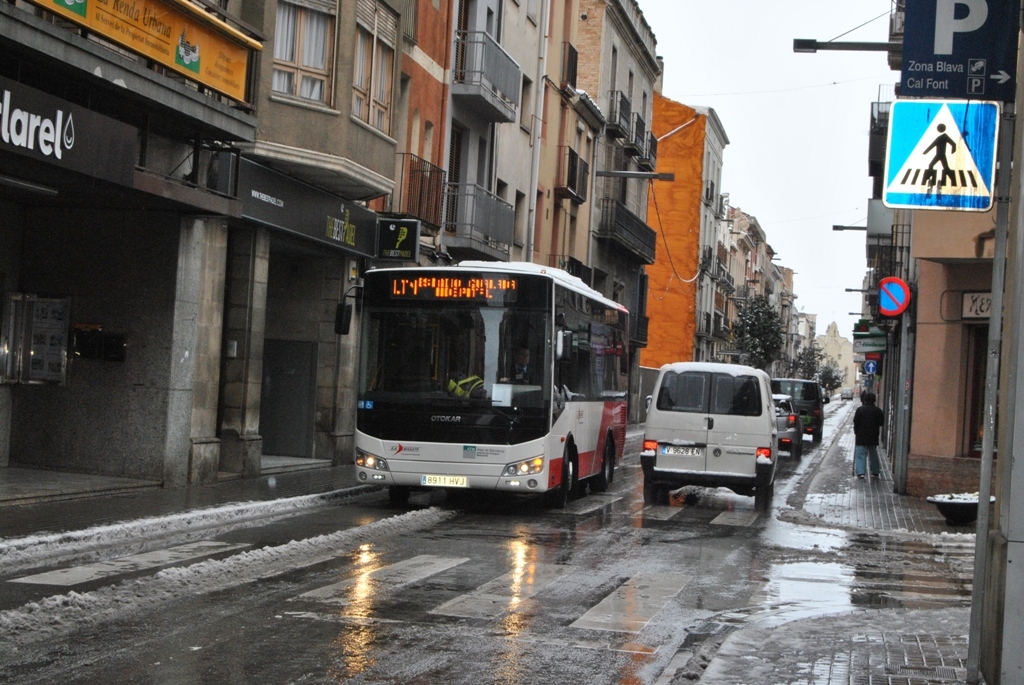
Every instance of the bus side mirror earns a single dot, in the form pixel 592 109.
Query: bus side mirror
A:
pixel 342 318
pixel 563 346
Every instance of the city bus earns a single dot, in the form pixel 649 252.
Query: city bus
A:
pixel 445 400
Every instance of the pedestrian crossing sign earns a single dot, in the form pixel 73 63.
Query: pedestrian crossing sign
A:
pixel 941 155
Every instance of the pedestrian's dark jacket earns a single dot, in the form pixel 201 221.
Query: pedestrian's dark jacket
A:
pixel 867 422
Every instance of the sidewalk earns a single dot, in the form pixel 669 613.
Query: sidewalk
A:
pixel 865 646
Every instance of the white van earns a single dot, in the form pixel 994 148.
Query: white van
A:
pixel 712 425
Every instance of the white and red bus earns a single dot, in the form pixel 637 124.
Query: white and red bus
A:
pixel 490 376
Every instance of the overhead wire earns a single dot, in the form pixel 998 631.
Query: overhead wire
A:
pixel 668 252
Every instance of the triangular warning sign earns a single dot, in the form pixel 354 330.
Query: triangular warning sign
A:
pixel 941 163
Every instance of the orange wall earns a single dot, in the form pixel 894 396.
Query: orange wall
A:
pixel 673 211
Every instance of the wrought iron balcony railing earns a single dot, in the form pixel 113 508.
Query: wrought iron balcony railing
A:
pixel 625 228
pixel 573 175
pixel 636 144
pixel 420 190
pixel 620 117
pixel 570 62
pixel 648 161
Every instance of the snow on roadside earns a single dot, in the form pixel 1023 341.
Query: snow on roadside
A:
pixel 16 553
pixel 62 614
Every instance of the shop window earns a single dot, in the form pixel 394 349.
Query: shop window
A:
pixel 374 64
pixel 303 41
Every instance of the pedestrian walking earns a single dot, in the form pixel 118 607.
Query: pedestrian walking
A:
pixel 867 424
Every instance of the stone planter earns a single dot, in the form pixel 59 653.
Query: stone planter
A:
pixel 958 510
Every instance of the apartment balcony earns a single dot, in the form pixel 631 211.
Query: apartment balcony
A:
pixel 636 143
pixel 648 161
pixel 620 117
pixel 707 260
pixel 573 176
pixel 570 62
pixel 478 224
pixel 419 193
pixel 705 329
pixel 624 228
pixel 638 337
pixel 486 79
pixel 721 328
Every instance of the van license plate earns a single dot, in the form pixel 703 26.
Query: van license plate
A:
pixel 681 451
pixel 444 481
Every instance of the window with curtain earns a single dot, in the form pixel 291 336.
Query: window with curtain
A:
pixel 372 82
pixel 303 39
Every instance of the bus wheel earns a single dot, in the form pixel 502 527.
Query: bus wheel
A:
pixel 559 497
pixel 398 494
pixel 602 480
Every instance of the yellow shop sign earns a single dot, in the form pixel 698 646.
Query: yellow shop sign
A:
pixel 173 33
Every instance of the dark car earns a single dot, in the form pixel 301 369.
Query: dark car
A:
pixel 791 435
pixel 808 400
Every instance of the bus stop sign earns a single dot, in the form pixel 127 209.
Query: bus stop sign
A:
pixel 960 49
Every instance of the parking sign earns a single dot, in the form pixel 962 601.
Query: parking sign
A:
pixel 962 49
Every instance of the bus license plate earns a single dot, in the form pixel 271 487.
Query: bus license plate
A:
pixel 444 481
pixel 682 451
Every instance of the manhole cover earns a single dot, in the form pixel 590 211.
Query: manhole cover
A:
pixel 937 672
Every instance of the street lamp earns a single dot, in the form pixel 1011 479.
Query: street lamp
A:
pixel 637 174
pixel 810 45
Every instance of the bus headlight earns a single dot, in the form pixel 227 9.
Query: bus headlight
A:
pixel 370 461
pixel 525 468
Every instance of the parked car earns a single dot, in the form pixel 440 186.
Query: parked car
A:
pixel 846 394
pixel 791 437
pixel 711 425
pixel 809 401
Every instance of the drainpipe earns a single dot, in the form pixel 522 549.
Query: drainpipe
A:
pixel 540 83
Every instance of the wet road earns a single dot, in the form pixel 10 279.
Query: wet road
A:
pixel 606 591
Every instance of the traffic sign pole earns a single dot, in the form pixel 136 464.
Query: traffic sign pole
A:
pixel 995 326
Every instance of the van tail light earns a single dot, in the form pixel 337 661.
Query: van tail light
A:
pixel 765 452
pixel 817 412
pixel 792 420
pixel 650 445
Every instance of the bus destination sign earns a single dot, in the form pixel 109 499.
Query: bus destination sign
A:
pixel 475 288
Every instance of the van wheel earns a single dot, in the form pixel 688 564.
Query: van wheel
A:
pixel 816 436
pixel 560 496
pixel 601 481
pixel 655 493
pixel 798 447
pixel 763 496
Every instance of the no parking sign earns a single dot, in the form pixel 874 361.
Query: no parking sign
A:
pixel 893 296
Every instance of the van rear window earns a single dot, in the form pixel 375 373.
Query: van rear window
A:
pixel 714 393
pixel 806 391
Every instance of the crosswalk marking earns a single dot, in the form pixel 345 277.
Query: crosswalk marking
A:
pixel 933 177
pixel 390 577
pixel 591 503
pixel 735 518
pixel 502 594
pixel 659 512
pixel 135 562
pixel 634 603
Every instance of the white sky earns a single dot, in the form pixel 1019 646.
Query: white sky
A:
pixel 797 125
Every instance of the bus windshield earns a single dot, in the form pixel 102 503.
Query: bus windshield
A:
pixel 478 356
